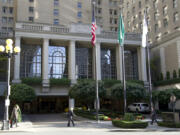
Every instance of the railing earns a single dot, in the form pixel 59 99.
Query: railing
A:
pixel 72 29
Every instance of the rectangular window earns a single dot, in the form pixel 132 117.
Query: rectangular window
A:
pixel 165 22
pixel 56 12
pixel 79 5
pixel 176 17
pixel 31 19
pixel 4 9
pixel 174 3
pixel 31 9
pixel 10 20
pixel 156 28
pixel 155 16
pixel 56 21
pixel 31 0
pixel 115 12
pixel 139 4
pixel 165 10
pixel 79 14
pixel 4 20
pixel 11 10
pixel 56 2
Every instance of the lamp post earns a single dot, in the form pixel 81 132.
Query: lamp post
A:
pixel 8 51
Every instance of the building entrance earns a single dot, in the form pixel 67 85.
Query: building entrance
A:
pixel 50 104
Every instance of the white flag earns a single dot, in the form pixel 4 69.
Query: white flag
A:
pixel 145 31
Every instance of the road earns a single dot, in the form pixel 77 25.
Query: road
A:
pixel 56 124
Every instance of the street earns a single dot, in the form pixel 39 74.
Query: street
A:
pixel 56 124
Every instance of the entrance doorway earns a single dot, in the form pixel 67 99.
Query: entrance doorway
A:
pixel 52 104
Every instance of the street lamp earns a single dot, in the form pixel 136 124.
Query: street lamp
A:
pixel 8 51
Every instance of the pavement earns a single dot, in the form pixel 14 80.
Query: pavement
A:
pixel 49 123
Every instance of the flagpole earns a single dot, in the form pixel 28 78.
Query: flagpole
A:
pixel 124 78
pixel 149 74
pixel 96 73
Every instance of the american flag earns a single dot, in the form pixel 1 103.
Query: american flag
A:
pixel 93 27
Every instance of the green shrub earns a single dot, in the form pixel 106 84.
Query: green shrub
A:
pixel 60 82
pixel 129 124
pixel 22 93
pixel 128 117
pixel 167 82
pixel 161 77
pixel 109 82
pixel 32 81
pixel 167 75
pixel 169 124
pixel 174 74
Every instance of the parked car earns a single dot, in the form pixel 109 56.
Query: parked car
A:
pixel 139 107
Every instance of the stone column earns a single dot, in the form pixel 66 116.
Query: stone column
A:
pixel 162 61
pixel 142 69
pixel 97 53
pixel 17 62
pixel 45 62
pixel 119 62
pixel 72 61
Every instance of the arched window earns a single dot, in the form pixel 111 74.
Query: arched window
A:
pixel 57 62
pixel 30 61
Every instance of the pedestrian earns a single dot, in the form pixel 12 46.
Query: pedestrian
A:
pixel 153 115
pixel 14 116
pixel 70 117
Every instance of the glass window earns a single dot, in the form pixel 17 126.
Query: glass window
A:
pixel 174 3
pixel 31 0
pixel 139 4
pixel 83 62
pixel 10 20
pixel 108 63
pixel 165 22
pixel 56 21
pixel 79 14
pixel 4 9
pixel 115 12
pixel 31 19
pixel 56 2
pixel 176 17
pixel 79 5
pixel 11 10
pixel 4 20
pixel 30 65
pixel 165 10
pixel 31 9
pixel 140 15
pixel 131 64
pixel 58 64
pixel 156 28
pixel 56 12
pixel 155 16
pixel 155 3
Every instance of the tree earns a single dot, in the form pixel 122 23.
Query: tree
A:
pixel 22 93
pixel 134 92
pixel 85 91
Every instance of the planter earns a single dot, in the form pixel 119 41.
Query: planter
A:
pixel 129 124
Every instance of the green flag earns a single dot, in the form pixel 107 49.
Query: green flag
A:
pixel 121 31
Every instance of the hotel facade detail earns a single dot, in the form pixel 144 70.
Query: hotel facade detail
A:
pixel 66 52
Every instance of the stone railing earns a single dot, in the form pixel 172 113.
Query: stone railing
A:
pixel 73 29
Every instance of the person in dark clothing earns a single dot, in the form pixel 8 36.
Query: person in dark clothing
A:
pixel 70 117
pixel 153 116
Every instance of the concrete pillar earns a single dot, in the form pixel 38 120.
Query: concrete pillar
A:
pixel 17 62
pixel 178 52
pixel 45 62
pixel 119 62
pixel 162 61
pixel 142 69
pixel 72 62
pixel 97 61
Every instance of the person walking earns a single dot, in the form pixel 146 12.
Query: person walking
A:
pixel 153 115
pixel 14 116
pixel 70 117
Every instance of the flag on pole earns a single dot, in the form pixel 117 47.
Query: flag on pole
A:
pixel 145 31
pixel 93 27
pixel 121 31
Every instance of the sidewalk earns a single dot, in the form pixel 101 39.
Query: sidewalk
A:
pixel 22 126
